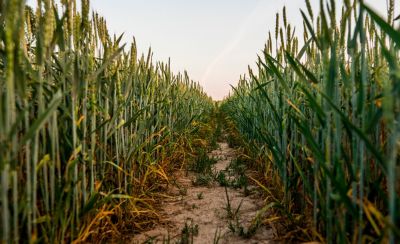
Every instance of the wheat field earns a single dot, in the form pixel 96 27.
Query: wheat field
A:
pixel 91 131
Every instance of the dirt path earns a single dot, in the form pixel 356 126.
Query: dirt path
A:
pixel 204 211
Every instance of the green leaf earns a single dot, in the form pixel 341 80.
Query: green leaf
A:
pixel 42 118
pixel 310 29
pixel 376 152
pixel 303 49
pixel 386 27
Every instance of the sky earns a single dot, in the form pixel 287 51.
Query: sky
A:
pixel 213 40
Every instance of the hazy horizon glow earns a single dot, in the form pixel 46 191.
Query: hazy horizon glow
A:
pixel 214 41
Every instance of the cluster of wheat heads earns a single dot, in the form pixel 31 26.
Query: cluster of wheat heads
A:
pixel 327 116
pixel 87 129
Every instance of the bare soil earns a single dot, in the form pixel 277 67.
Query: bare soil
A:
pixel 204 209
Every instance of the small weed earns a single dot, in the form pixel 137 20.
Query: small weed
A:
pixel 153 239
pixel 217 236
pixel 237 228
pixel 236 168
pixel 234 224
pixel 203 163
pixel 203 180
pixel 200 195
pixel 167 240
pixel 188 233
pixel 150 240
pixel 237 165
pixel 183 191
pixel 222 180
pixel 240 182
pixel 230 212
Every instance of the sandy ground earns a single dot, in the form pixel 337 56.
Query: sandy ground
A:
pixel 208 212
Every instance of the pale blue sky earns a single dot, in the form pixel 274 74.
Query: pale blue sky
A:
pixel 214 40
